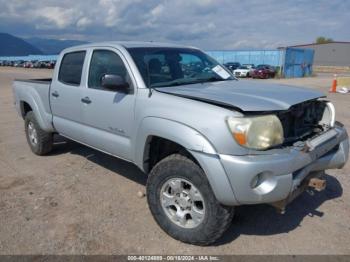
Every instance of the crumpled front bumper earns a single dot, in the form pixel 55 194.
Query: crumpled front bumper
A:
pixel 269 178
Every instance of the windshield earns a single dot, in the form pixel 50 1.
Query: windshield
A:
pixel 161 67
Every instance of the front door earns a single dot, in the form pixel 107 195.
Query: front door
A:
pixel 108 115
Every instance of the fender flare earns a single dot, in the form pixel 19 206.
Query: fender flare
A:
pixel 196 144
pixel 177 132
pixel 34 101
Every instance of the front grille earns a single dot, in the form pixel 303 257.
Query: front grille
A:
pixel 301 121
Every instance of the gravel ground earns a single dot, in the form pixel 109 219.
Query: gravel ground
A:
pixel 80 201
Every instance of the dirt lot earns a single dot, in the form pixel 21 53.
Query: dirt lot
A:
pixel 80 201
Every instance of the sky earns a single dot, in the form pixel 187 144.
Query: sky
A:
pixel 208 24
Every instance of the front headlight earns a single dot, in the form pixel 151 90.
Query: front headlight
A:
pixel 259 132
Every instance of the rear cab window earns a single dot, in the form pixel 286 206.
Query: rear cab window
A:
pixel 71 68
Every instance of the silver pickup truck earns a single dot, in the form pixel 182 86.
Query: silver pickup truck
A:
pixel 207 141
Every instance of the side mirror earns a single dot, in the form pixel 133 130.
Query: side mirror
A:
pixel 115 82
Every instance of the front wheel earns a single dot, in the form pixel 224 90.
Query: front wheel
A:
pixel 183 204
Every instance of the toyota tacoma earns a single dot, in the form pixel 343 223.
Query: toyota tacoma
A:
pixel 207 141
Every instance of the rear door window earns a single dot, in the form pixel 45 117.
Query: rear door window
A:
pixel 71 68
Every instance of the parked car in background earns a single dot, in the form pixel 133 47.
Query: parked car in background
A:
pixel 28 64
pixel 18 64
pixel 52 64
pixel 242 71
pixel 263 71
pixel 232 65
pixel 9 63
pixel 37 64
pixel 250 66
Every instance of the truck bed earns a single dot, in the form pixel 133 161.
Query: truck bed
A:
pixel 35 94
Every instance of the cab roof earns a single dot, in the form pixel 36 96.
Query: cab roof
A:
pixel 127 44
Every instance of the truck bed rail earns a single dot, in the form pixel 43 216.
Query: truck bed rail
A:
pixel 39 81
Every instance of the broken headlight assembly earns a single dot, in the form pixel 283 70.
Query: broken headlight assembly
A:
pixel 258 132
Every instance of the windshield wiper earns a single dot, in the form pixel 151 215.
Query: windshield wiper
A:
pixel 212 79
pixel 190 82
pixel 175 83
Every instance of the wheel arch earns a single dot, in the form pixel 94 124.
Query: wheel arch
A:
pixel 193 143
pixel 25 108
pixel 157 148
pixel 152 128
pixel 30 103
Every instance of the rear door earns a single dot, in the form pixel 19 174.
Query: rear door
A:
pixel 65 96
pixel 108 115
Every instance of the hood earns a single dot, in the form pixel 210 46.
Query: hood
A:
pixel 247 96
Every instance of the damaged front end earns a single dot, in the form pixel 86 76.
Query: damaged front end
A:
pixel 312 143
pixel 306 120
pixel 310 127
pixel 313 182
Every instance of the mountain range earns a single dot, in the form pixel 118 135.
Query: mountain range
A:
pixel 52 46
pixel 14 46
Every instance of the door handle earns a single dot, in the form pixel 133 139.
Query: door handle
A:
pixel 86 100
pixel 55 94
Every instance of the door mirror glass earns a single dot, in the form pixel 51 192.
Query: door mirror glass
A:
pixel 114 82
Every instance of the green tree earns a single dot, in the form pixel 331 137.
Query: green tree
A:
pixel 323 40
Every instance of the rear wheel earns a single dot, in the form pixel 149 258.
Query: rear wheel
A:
pixel 183 204
pixel 40 141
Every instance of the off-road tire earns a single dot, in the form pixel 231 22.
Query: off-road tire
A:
pixel 44 139
pixel 217 217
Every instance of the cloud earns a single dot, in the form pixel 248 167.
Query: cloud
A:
pixel 84 22
pixel 158 10
pixel 53 17
pixel 209 24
